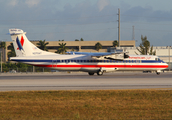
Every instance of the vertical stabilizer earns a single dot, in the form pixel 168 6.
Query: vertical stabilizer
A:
pixel 22 46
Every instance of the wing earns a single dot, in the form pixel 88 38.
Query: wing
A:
pixel 112 56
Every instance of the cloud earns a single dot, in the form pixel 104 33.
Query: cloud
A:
pixel 32 3
pixel 13 2
pixel 102 4
pixel 51 17
pixel 147 14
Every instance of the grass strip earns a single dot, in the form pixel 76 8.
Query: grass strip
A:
pixel 98 104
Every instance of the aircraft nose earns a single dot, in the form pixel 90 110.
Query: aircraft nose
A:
pixel 166 65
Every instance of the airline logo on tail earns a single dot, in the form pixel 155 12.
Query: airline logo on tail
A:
pixel 20 43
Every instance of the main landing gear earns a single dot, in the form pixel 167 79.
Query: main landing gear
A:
pixel 90 73
pixel 98 73
pixel 158 73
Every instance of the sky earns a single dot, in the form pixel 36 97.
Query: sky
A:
pixel 92 20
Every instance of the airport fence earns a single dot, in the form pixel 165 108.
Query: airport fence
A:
pixel 20 67
pixel 25 69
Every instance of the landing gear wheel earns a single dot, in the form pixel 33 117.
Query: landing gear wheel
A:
pixel 158 73
pixel 90 73
pixel 99 73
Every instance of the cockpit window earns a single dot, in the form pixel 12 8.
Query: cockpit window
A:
pixel 157 59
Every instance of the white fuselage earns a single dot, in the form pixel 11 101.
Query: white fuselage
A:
pixel 88 64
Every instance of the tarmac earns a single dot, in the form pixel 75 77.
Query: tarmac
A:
pixel 82 81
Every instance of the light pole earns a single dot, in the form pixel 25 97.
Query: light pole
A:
pixel 119 43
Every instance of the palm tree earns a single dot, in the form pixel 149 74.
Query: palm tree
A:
pixel 12 52
pixel 61 40
pixel 98 46
pixel 145 46
pixel 115 43
pixel 62 49
pixel 80 39
pixel 3 46
pixel 42 45
pixel 151 51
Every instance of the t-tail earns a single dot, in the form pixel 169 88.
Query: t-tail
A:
pixel 22 46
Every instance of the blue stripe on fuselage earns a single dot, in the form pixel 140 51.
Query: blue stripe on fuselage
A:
pixel 92 61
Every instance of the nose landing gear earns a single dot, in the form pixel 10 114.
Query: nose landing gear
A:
pixel 158 72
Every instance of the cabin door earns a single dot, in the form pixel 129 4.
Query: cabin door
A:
pixel 54 63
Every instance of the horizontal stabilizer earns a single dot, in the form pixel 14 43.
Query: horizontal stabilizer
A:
pixel 16 31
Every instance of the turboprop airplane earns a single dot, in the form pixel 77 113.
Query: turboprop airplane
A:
pixel 92 63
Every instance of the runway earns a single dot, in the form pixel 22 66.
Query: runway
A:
pixel 82 81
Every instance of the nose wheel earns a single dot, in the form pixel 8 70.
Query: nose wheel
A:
pixel 158 72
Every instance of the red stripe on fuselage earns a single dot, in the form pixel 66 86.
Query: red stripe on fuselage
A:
pixel 106 66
